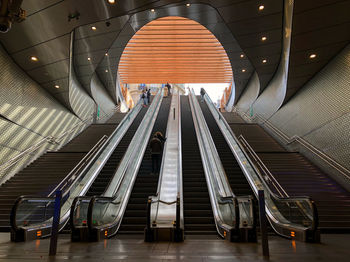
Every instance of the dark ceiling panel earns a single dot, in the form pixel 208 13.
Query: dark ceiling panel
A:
pixel 48 22
pixel 321 28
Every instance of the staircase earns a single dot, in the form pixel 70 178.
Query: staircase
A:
pixel 299 177
pixel 198 215
pixel 135 216
pixel 44 174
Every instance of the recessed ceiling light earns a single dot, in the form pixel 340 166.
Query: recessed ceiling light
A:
pixel 57 86
pixel 243 70
pixel 34 58
pixel 89 58
pixel 242 55
pixel 264 61
pixel 261 7
pixel 106 54
pixel 188 5
pixel 312 56
pixel 152 10
pixel 106 70
pixel 111 1
pixel 93 28
pixel 264 38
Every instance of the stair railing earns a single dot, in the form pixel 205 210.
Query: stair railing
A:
pixel 25 224
pixel 290 217
pixel 301 141
pixel 105 213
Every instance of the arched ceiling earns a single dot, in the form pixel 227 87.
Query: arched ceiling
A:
pixel 318 26
pixel 176 50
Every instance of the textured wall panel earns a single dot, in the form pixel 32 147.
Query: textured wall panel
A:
pixel 81 103
pixel 101 97
pixel 29 114
pixel 250 93
pixel 320 112
pixel 272 97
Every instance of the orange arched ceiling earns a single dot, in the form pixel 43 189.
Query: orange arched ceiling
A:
pixel 175 50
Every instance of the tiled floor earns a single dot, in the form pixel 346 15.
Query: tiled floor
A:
pixel 332 248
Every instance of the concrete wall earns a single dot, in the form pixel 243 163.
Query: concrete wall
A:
pixel 28 114
pixel 320 112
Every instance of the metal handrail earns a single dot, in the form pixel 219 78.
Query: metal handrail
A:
pixel 224 191
pixel 171 117
pixel 267 172
pixel 250 170
pixel 50 139
pixel 110 228
pixel 71 175
pixel 295 138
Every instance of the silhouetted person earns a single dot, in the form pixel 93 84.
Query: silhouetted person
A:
pixel 144 98
pixel 169 88
pixel 156 146
pixel 202 94
pixel 149 96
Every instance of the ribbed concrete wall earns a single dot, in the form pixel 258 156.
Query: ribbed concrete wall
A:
pixel 320 112
pixel 28 113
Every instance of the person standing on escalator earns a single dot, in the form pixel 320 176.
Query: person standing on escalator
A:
pixel 149 95
pixel 202 94
pixel 156 145
pixel 169 88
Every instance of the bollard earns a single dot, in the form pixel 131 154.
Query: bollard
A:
pixel 55 224
pixel 263 224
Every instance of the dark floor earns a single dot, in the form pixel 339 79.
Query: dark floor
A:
pixel 195 248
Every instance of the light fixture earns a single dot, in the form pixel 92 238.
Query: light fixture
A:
pixel 93 28
pixel 111 2
pixel 243 70
pixel 34 58
pixel 312 56
pixel 188 4
pixel 106 70
pixel 261 7
pixel 106 54
pixel 242 55
pixel 264 38
pixel 264 61
pixel 57 86
pixel 89 58
pixel 152 10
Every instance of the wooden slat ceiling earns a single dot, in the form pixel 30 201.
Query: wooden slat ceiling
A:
pixel 175 50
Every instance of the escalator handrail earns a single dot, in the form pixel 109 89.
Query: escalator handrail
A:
pixel 225 191
pixel 71 177
pixel 145 127
pixel 93 155
pixel 267 189
pixel 179 193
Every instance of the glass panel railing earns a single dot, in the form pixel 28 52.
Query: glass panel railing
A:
pixel 291 217
pixel 223 201
pixel 106 212
pixel 75 184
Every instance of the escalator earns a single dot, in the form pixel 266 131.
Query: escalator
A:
pixel 198 215
pixel 238 181
pixel 107 172
pixel 134 219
